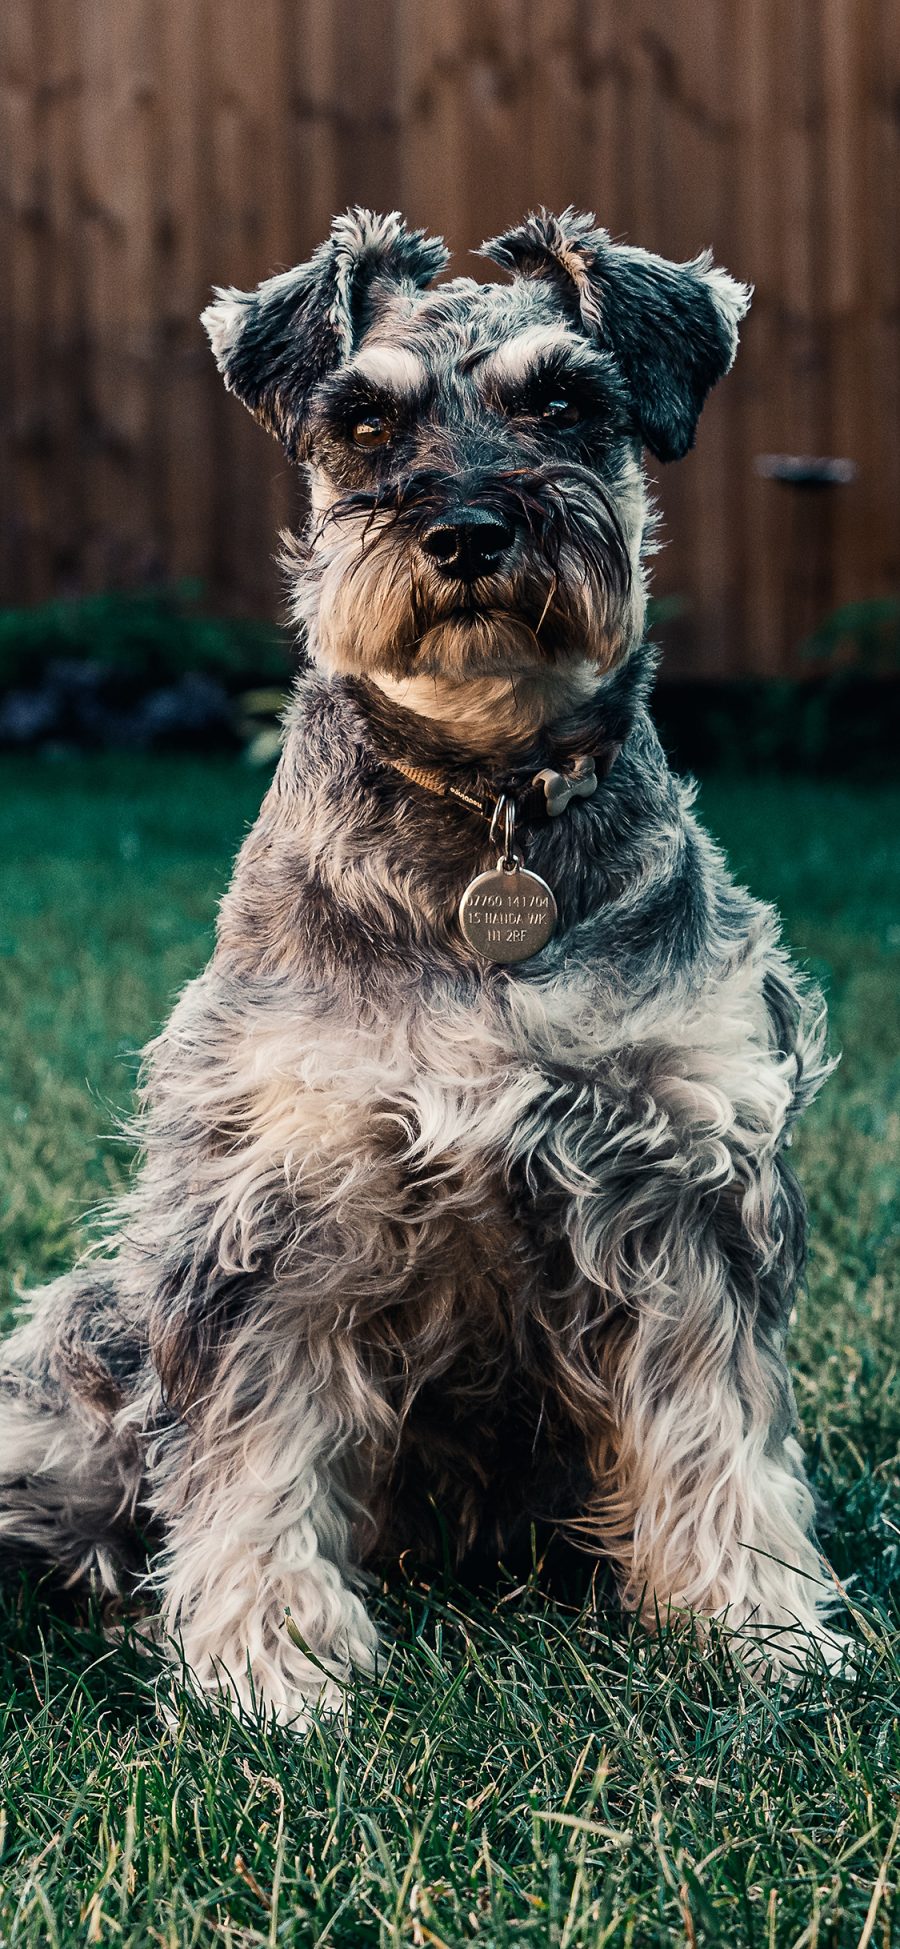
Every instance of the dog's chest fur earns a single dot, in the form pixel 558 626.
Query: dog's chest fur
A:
pixel 436 1179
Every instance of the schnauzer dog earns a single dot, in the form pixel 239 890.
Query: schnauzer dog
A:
pixel 463 1200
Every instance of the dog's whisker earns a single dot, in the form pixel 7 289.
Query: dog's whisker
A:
pixel 551 592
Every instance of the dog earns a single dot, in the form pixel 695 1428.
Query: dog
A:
pixel 463 1199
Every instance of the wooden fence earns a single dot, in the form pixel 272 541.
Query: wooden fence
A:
pixel 152 147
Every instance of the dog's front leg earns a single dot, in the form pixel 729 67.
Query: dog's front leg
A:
pixel 705 1508
pixel 700 1497
pixel 258 1594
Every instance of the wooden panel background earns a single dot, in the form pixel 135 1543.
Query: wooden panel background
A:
pixel 152 147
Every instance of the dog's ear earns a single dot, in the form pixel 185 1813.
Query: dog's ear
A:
pixel 275 344
pixel 672 328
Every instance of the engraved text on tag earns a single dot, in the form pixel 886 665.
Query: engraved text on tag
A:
pixel 508 914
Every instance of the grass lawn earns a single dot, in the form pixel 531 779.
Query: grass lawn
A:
pixel 522 1773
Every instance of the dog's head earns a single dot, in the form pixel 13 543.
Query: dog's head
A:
pixel 477 496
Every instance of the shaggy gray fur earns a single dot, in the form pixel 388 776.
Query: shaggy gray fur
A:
pixel 415 1240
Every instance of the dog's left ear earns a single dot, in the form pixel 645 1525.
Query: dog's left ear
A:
pixel 275 344
pixel 672 328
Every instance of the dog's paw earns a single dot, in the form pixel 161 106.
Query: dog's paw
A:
pixel 792 1653
pixel 266 1698
pixel 266 1674
pixel 262 1694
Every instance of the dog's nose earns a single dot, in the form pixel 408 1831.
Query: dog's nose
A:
pixel 469 543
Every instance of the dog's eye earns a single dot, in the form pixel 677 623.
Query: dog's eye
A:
pixel 559 409
pixel 373 431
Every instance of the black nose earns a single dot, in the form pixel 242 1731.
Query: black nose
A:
pixel 469 543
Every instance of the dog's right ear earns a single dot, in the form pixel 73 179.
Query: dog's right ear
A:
pixel 275 344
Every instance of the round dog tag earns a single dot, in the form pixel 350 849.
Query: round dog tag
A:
pixel 508 914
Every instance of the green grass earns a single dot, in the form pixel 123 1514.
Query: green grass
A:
pixel 521 1773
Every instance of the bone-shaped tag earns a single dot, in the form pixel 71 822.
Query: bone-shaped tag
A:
pixel 580 781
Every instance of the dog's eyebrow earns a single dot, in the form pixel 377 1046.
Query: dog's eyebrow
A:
pixel 392 367
pixel 515 359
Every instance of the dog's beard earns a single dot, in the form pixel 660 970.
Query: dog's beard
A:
pixel 480 644
pixel 369 601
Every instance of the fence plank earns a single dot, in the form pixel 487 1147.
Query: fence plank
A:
pixel 250 225
pixel 185 385
pixel 556 169
pixel 880 407
pixel 27 428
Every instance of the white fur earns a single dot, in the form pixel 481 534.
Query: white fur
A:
pixel 257 1552
pixel 494 714
pixel 514 358
pixel 732 299
pixel 390 365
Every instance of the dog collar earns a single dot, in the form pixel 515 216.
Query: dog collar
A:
pixel 538 795
pixel 508 914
